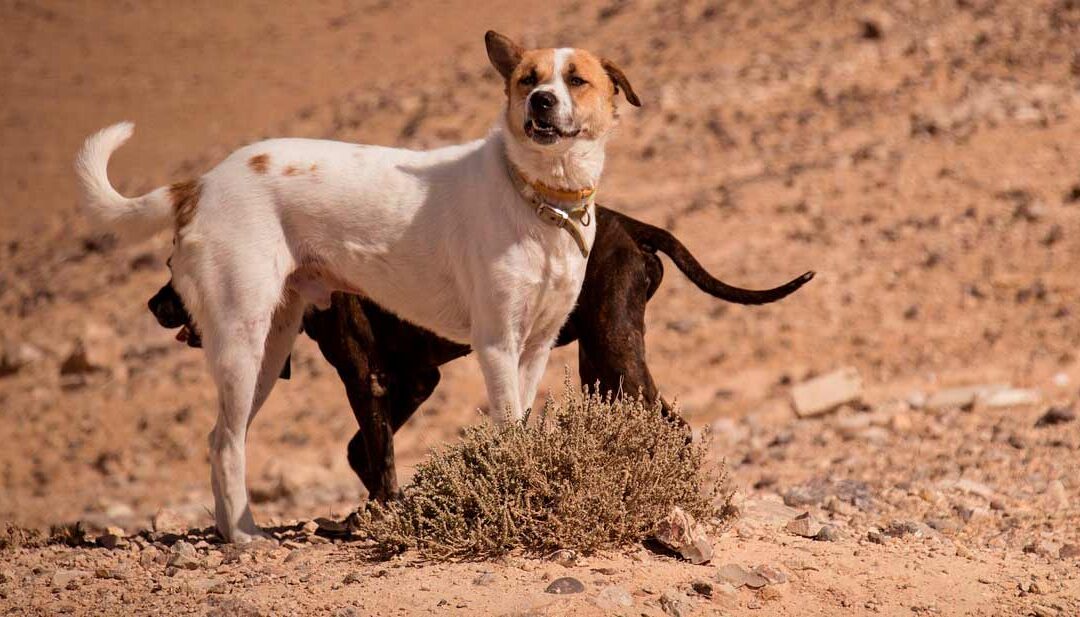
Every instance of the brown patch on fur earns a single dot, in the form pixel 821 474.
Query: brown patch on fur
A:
pixel 185 200
pixel 259 163
pixel 295 170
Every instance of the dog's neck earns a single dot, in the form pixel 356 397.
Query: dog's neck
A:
pixel 572 166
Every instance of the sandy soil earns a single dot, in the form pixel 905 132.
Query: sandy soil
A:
pixel 922 158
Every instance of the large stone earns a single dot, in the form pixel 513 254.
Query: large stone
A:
pixel 823 394
pixel 682 534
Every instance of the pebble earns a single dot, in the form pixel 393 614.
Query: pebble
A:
pixel 565 585
pixel 875 536
pixel 827 533
pixel 294 555
pixel 679 532
pixel 183 556
pixel 564 557
pixel 1011 397
pixel 65 578
pixel 738 576
pixel 1055 416
pixel 613 597
pixel 772 574
pixel 676 603
pixel 820 395
pixel 900 529
pixel 804 525
pixel 352 577
pixel 702 588
pixel 805 495
pixel 485 579
pixel 1069 551
pixel 168 521
pixel 955 398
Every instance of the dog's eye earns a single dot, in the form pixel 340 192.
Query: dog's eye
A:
pixel 528 80
pixel 577 81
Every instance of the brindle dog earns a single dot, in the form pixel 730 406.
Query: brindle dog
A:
pixel 389 367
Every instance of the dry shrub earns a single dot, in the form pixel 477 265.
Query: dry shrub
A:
pixel 590 473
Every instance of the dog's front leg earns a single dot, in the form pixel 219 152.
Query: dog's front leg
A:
pixel 531 369
pixel 499 363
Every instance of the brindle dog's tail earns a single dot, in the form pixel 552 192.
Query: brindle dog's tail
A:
pixel 652 239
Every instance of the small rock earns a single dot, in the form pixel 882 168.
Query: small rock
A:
pixel 1057 494
pixel 1069 551
pixel 804 525
pixel 294 555
pixel 115 574
pixel 183 556
pixel 1011 397
pixel 1055 416
pixel 900 529
pixel 1043 548
pixel 485 579
pixel 774 575
pixel 14 357
pixel 827 533
pixel 955 398
pixel 805 495
pixel 565 585
pixel 875 536
pixel 682 534
pixel 97 351
pixel 613 597
pixel 168 521
pixel 702 588
pixel 310 527
pixel 109 540
pixel 65 578
pixel 564 557
pixel 353 577
pixel 823 394
pixel 676 604
pixel 737 577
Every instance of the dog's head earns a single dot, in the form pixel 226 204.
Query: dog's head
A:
pixel 557 96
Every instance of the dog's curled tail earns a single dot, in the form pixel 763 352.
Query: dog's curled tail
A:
pixel 653 238
pixel 131 219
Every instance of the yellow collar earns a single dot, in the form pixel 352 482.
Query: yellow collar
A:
pixel 556 195
pixel 559 207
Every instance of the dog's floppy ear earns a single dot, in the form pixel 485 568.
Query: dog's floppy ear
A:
pixel 503 53
pixel 619 79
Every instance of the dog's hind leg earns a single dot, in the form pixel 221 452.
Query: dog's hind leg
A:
pixel 237 337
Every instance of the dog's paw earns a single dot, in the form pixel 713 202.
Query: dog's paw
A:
pixel 249 536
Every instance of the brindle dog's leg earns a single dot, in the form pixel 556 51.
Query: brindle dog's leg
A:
pixel 348 342
pixel 609 320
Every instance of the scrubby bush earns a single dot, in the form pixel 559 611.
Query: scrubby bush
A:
pixel 589 473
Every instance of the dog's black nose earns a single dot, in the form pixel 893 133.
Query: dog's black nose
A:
pixel 542 100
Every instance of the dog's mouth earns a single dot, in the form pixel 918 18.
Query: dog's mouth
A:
pixel 543 132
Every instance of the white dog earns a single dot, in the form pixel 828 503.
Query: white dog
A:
pixel 482 243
